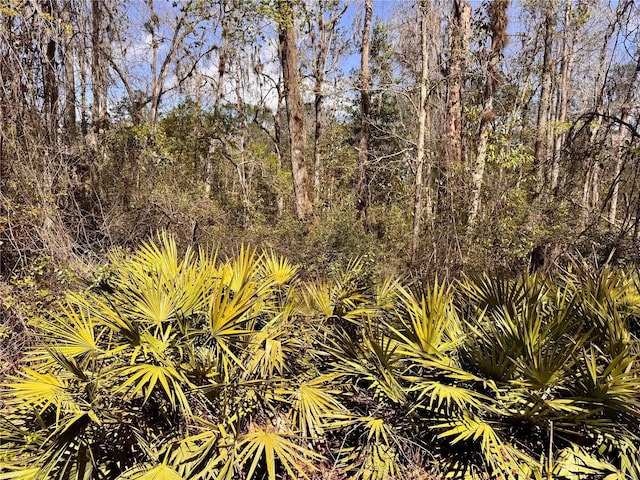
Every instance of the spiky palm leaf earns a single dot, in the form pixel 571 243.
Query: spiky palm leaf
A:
pixel 371 362
pixel 574 463
pixel 278 269
pixel 265 445
pixel 500 456
pixel 158 472
pixel 429 326
pixel 376 454
pixel 316 405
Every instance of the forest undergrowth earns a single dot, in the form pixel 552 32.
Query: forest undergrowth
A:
pixel 169 362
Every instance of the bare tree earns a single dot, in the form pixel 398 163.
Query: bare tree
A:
pixel 326 51
pixel 498 30
pixel 50 84
pixel 621 139
pixel 460 32
pixel 289 61
pixel 566 63
pixel 68 60
pixel 423 111
pixel 541 149
pixel 362 200
pixel 98 66
pixel 176 46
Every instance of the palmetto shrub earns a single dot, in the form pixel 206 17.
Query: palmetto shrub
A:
pixel 178 367
pixel 563 368
pixel 191 367
pixel 530 378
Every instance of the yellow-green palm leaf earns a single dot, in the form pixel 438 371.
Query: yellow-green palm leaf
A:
pixel 159 472
pixel 268 444
pixel 278 269
pixel 142 380
pixel 316 406
pixel 40 391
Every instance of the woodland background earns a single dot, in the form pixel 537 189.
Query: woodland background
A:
pixel 432 137
pixel 443 206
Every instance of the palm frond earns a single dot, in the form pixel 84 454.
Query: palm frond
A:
pixel 489 351
pixel 375 457
pixel 345 297
pixel 208 454
pixel 242 269
pixel 9 472
pixel 278 269
pixel 500 456
pixel 574 463
pixel 107 313
pixel 429 326
pixel 229 310
pixel 378 461
pixel 73 333
pixel 148 472
pixel 315 298
pixel 373 361
pixel 489 293
pixel 315 405
pixel 441 398
pixel 155 286
pixel 387 293
pixel 66 455
pixel 39 391
pixel 266 445
pixel 142 379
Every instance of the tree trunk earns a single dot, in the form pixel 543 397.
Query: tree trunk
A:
pixel 317 135
pixel 615 191
pixel 155 81
pixel 49 78
pixel 498 27
pixel 70 79
pixel 477 174
pixel 319 69
pixel 242 166
pixel 98 84
pixel 541 149
pixel 566 62
pixel 277 140
pixel 595 192
pixel 222 56
pixel 293 99
pixel 620 140
pixel 460 32
pixel 322 43
pixel 84 79
pixel 362 194
pixel 222 67
pixel 419 191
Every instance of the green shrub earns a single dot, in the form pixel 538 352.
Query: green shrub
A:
pixel 187 366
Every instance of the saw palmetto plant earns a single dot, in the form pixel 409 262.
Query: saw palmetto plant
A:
pixel 562 362
pixel 171 370
pixel 530 378
pixel 186 366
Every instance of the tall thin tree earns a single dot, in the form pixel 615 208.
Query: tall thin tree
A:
pixel 362 195
pixel 288 52
pixel 498 30
pixel 423 110
pixel 460 31
pixel 325 51
pixel 541 147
